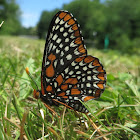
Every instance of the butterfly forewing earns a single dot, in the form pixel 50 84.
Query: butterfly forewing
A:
pixel 68 73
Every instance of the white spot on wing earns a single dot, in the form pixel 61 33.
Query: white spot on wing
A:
pixel 68 57
pixel 57 27
pixel 88 84
pixel 77 67
pixel 89 78
pixel 71 72
pixel 58 40
pixel 65 34
pixel 61 45
pixel 61 62
pixel 57 51
pixel 57 20
pixel 66 48
pixel 55 36
pixel 62 22
pixel 67 40
pixel 85 68
pixel 61 29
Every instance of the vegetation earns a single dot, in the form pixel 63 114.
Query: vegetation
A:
pixel 116 19
pixel 116 113
pixel 10 13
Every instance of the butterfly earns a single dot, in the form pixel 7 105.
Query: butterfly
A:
pixel 69 75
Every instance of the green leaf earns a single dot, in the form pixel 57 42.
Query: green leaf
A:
pixel 25 80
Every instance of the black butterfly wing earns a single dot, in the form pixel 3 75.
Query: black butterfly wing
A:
pixel 84 79
pixel 68 73
pixel 64 43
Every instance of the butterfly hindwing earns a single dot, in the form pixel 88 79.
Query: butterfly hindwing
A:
pixel 83 80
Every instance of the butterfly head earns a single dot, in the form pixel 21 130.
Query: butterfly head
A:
pixel 36 94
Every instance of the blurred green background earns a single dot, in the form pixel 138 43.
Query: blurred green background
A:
pixel 114 21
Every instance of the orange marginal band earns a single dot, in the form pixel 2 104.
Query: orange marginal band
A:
pixel 62 15
pixel 78 40
pixel 81 49
pixel 75 27
pixel 100 85
pixel 101 76
pixel 89 59
pixel 96 62
pixel 79 59
pixel 71 22
pixel 98 92
pixel 77 33
pixel 88 98
pixel 100 69
pixel 67 17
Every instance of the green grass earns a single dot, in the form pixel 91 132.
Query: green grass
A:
pixel 116 113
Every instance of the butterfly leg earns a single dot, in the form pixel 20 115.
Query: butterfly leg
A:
pixel 47 106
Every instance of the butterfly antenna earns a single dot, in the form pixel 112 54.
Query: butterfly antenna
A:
pixel 27 71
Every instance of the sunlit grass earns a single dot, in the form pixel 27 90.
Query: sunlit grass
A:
pixel 116 113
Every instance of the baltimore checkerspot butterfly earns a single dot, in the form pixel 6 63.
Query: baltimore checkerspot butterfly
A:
pixel 69 75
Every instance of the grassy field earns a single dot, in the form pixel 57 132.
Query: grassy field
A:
pixel 116 113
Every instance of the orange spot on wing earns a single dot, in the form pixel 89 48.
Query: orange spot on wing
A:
pixel 71 22
pixel 89 59
pixel 62 94
pixel 71 81
pixel 75 91
pixel 78 40
pixel 50 71
pixel 79 59
pixel 101 76
pixel 67 17
pixel 64 87
pixel 96 62
pixel 62 14
pixel 75 27
pixel 88 98
pixel 59 79
pixel 100 69
pixel 52 57
pixel 81 49
pixel 100 84
pixel 49 88
pixel 65 97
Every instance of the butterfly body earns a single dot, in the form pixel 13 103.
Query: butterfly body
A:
pixel 69 75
